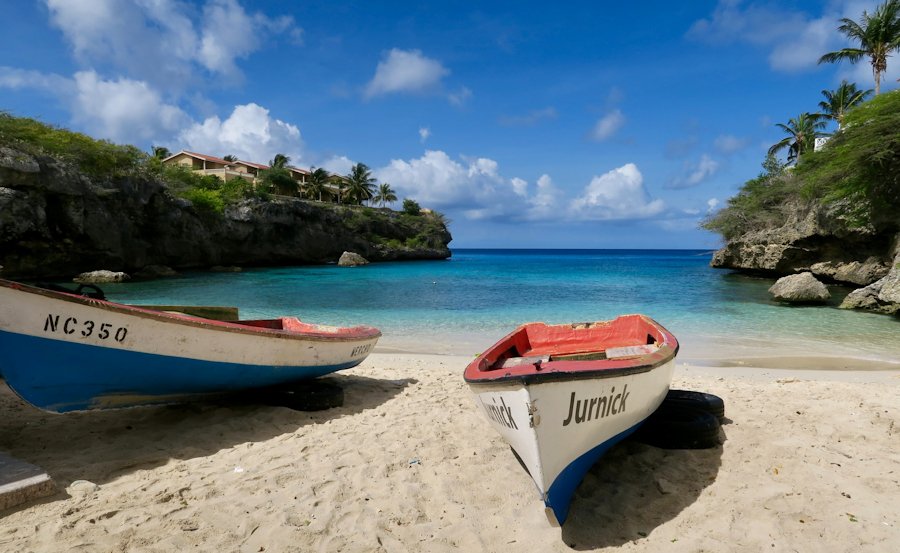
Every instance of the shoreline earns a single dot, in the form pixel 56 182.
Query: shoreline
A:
pixel 808 461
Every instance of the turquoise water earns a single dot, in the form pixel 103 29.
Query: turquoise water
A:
pixel 466 303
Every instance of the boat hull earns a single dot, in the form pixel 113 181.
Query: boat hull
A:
pixel 562 395
pixel 559 429
pixel 67 353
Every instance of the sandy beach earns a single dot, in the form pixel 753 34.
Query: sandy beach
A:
pixel 810 461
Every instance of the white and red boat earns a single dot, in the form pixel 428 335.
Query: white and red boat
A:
pixel 67 352
pixel 562 395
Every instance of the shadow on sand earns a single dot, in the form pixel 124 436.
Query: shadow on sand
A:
pixel 99 446
pixel 633 489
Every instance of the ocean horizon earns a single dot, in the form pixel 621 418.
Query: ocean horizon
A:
pixel 465 303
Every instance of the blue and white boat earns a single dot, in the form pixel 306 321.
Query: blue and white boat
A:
pixel 562 395
pixel 66 352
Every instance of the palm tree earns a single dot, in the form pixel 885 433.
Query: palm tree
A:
pixel 839 101
pixel 161 152
pixel 878 35
pixel 230 157
pixel 315 187
pixel 280 161
pixel 802 133
pixel 385 194
pixel 360 183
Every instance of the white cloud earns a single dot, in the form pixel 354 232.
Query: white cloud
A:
pixel 460 97
pixel 795 39
pixel 405 71
pixel 123 110
pixel 520 186
pixel 249 132
pixel 339 165
pixel 696 173
pixel 729 144
pixel 424 133
pixel 157 41
pixel 14 78
pixel 608 125
pixel 618 194
pixel 712 204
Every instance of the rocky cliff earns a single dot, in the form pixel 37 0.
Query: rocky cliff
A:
pixel 56 222
pixel 813 238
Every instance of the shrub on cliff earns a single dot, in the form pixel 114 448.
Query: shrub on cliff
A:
pixel 860 166
pixel 857 174
pixel 97 158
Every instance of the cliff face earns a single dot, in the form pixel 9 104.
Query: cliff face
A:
pixel 812 238
pixel 56 222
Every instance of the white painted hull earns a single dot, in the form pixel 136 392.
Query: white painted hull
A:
pixel 558 432
pixel 62 352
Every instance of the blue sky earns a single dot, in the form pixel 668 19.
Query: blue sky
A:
pixel 576 125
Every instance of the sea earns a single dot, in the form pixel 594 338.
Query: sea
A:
pixel 464 304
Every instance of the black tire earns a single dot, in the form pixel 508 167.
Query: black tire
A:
pixel 314 395
pixel 674 426
pixel 698 400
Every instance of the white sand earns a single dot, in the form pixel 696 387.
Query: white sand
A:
pixel 810 462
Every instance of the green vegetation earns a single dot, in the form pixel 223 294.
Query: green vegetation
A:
pixel 210 195
pixel 876 34
pixel 97 158
pixel 857 174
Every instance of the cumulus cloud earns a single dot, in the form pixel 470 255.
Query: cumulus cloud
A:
pixel 250 133
pixel 123 110
pixel 618 194
pixel 696 173
pixel 405 71
pixel 729 144
pixel 158 41
pixel 608 125
pixel 795 39
pixel 424 133
pixel 14 78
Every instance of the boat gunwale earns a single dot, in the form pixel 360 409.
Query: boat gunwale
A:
pixel 354 334
pixel 564 370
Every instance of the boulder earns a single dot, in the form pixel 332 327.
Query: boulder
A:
pixel 99 277
pixel 350 259
pixel 800 288
pixel 854 272
pixel 882 296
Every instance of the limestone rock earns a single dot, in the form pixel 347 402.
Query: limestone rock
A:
pixel 800 288
pixel 882 296
pixel 854 272
pixel 350 259
pixel 99 277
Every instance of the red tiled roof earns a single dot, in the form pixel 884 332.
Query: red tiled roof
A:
pixel 200 156
pixel 251 164
pixel 298 170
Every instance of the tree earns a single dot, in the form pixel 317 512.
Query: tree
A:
pixel 411 207
pixel 385 195
pixel 280 161
pixel 360 184
pixel 877 36
pixel 230 157
pixel 161 152
pixel 837 102
pixel 802 133
pixel 278 179
pixel 315 187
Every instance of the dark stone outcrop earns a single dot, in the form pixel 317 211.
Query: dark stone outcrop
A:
pixel 814 238
pixel 57 222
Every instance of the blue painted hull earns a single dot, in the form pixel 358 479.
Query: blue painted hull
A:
pixel 63 376
pixel 559 496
